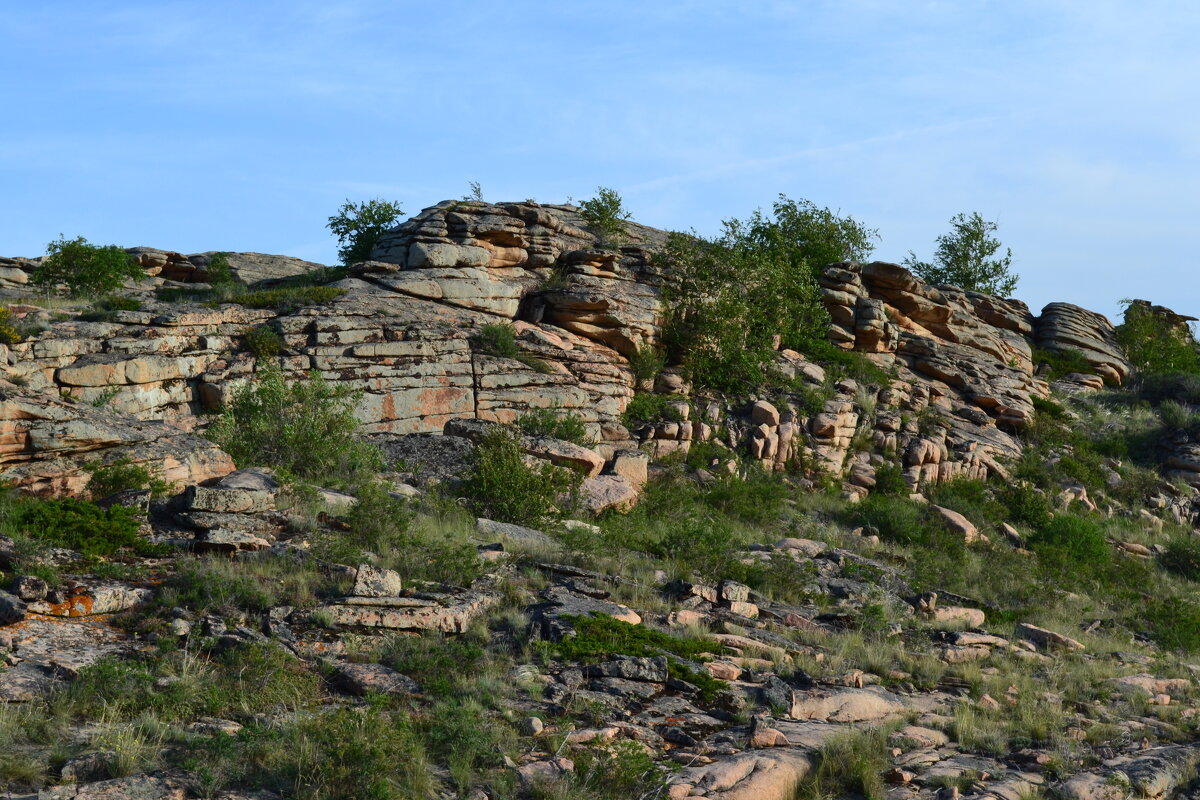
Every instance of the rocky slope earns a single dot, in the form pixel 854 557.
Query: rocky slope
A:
pixel 743 692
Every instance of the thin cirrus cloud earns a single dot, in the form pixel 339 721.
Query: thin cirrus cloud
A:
pixel 225 125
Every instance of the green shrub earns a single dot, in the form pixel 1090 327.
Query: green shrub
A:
pixel 220 271
pixel 889 481
pixel 78 525
pixel 728 298
pixel 383 525
pixel 1071 545
pixel 898 519
pixel 605 215
pixel 358 226
pixel 646 407
pixel 1026 505
pixel 1174 622
pixel 599 637
pixel 967 258
pixel 104 309
pixel 263 341
pixel 304 429
pixel 971 498
pixel 555 423
pixel 1060 363
pixel 503 487
pixel 499 339
pixel 85 269
pixel 120 475
pixel 1156 344
pixel 1182 557
pixel 287 299
pixel 647 362
pixel 9 334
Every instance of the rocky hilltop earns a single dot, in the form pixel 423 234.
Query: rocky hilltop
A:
pixel 939 575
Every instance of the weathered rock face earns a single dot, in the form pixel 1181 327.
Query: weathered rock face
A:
pixel 404 335
pixel 1063 326
pixel 45 440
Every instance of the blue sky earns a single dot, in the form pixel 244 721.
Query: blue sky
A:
pixel 242 126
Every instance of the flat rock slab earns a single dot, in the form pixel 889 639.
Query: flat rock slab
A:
pixel 753 775
pixel 65 646
pixel 452 617
pixel 854 705
pixel 361 679
pixel 101 598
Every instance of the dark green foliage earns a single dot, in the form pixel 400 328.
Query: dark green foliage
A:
pixel 1183 557
pixel 435 661
pixel 850 764
pixel 304 429
pixel 381 524
pixel 1154 344
pixel 646 407
pixel 1050 409
pixel 220 271
pixel 85 269
pixel 1177 386
pixel 1060 363
pixel 499 339
pixel 263 341
pixel 646 362
pixel 555 423
pixel 709 686
pixel 1026 505
pixel 967 258
pixel 971 498
pixel 9 332
pixel 358 226
pixel 755 498
pixel 287 299
pixel 889 481
pixel 728 298
pixel 503 487
pixel 78 525
pixel 616 772
pixel 120 475
pixel 104 309
pixel 1071 545
pixel 605 215
pixel 900 520
pixel 839 363
pixel 599 637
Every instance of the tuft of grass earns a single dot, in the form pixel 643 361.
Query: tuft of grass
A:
pixel 555 423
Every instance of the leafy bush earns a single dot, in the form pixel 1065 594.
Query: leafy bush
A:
pixel 499 339
pixel 358 226
pixel 899 520
pixel 647 362
pixel 78 525
pixel 263 341
pixel 502 486
pixel 605 214
pixel 85 269
pixel 965 258
pixel 8 330
pixel 971 498
pixel 555 423
pixel 383 525
pixel 1060 363
pixel 104 309
pixel 220 271
pixel 1156 344
pixel 1026 505
pixel 889 481
pixel 1174 622
pixel 729 298
pixel 122 474
pixel 1182 557
pixel 599 637
pixel 287 299
pixel 1071 545
pixel 647 407
pixel 304 429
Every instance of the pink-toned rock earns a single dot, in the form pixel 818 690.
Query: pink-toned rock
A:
pixel 603 492
pixel 767 737
pixel 959 524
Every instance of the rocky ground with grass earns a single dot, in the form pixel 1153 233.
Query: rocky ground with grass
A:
pixel 452 522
